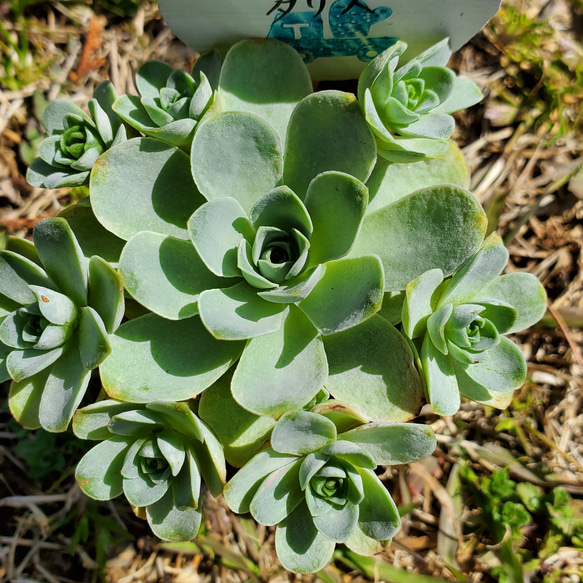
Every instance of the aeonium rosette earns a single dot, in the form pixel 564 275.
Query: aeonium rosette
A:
pixel 75 139
pixel 57 311
pixel 319 487
pixel 156 455
pixel 409 108
pixel 458 326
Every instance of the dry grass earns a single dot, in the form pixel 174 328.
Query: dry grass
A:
pixel 526 172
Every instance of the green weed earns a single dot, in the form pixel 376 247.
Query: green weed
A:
pixel 517 514
pixel 545 70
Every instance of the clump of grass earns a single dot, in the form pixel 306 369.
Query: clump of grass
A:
pixel 544 67
pixel 22 62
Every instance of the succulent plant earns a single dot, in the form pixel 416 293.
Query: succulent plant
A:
pixel 75 139
pixel 157 456
pixel 301 278
pixel 320 489
pixel 409 108
pixel 459 324
pixel 170 104
pixel 57 311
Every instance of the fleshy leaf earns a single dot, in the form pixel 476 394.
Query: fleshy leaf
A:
pixel 277 496
pixel 264 77
pixel 281 371
pixel 171 523
pixel 106 293
pixel 332 118
pixel 17 273
pixel 240 490
pixel 349 452
pixel 180 417
pixel 350 291
pixel 362 544
pixel 476 273
pixel 474 391
pixel 241 433
pixel 338 523
pixel 141 491
pixel 238 313
pixel 55 307
pixel 282 209
pixel 442 388
pixel 22 364
pixel 93 339
pixel 522 291
pixel 393 443
pixel 62 258
pixel 502 369
pixel 216 229
pixel 465 93
pixel 300 547
pixel 147 363
pixel 92 421
pixel 378 515
pixel 186 485
pixel 297 291
pixel 93 237
pixel 166 274
pixel 336 203
pixel 437 227
pixel 57 111
pixel 220 145
pixel 24 399
pixel 302 432
pixel 212 461
pixel 63 391
pixel 144 185
pixel 372 371
pixel 420 302
pixel 99 471
pixel 391 181
pixel 23 247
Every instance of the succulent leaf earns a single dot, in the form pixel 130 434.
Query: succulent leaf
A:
pixel 283 370
pixel 240 432
pixel 277 496
pixel 239 491
pixel 219 145
pixel 393 443
pixel 302 432
pixel 264 77
pixel 524 292
pixel 300 546
pixel 436 227
pixel 332 118
pixel 144 185
pixel 349 292
pixel 147 364
pixel 99 471
pixel 166 275
pixel 372 371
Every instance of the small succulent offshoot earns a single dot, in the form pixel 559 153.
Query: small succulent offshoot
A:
pixel 57 312
pixel 156 455
pixel 319 487
pixel 409 108
pixel 75 139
